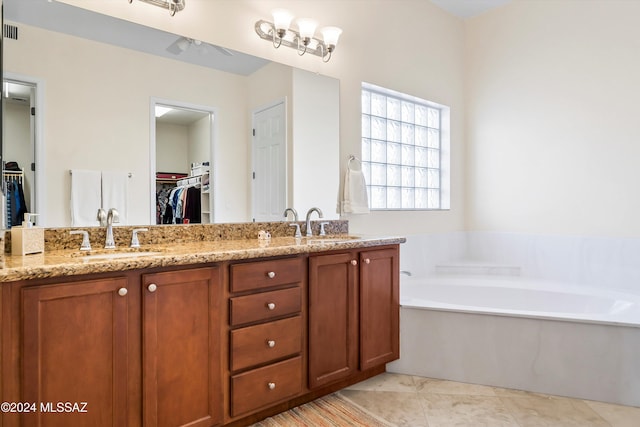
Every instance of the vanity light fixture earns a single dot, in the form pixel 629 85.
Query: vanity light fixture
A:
pixel 303 40
pixel 173 5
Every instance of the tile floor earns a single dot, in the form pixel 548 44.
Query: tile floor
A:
pixel 410 401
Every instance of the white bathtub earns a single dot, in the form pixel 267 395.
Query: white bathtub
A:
pixel 523 334
pixel 515 296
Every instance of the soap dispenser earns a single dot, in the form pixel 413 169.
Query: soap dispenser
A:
pixel 27 239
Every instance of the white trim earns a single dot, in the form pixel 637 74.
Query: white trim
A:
pixel 213 134
pixel 39 142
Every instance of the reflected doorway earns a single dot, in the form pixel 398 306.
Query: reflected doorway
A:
pixel 182 163
pixel 19 150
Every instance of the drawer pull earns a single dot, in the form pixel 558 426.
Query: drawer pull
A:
pixel 122 291
pixel 271 386
pixel 367 260
pixel 271 274
pixel 271 343
pixel 152 287
pixel 354 262
pixel 271 305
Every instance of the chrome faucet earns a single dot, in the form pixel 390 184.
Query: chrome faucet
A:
pixel 112 217
pixel 309 212
pixel 293 211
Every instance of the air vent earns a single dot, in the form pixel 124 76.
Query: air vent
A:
pixel 10 32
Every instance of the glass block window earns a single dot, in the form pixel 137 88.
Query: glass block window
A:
pixel 402 150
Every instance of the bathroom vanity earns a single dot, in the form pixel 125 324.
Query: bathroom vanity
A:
pixel 202 333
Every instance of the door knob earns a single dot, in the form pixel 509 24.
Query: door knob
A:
pixel 152 287
pixel 271 306
pixel 271 274
pixel 354 262
pixel 122 291
pixel 271 386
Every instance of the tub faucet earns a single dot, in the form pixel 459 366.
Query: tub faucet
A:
pixel 293 211
pixel 112 217
pixel 309 233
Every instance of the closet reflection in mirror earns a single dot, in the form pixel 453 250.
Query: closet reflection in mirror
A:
pixel 183 141
pixel 96 95
pixel 18 178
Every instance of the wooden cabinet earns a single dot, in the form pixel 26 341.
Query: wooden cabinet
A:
pixel 266 334
pixel 333 318
pixel 353 313
pixel 89 341
pixel 181 348
pixel 219 344
pixel 379 307
pixel 75 350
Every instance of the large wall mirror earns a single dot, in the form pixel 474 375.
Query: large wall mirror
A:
pixel 95 82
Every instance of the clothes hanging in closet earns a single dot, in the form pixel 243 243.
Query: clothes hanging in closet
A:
pixel 16 205
pixel 178 205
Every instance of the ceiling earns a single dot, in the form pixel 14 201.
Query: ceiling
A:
pixel 469 8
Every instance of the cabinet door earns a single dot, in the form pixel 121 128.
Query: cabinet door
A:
pixel 181 348
pixel 75 350
pixel 333 317
pixel 379 307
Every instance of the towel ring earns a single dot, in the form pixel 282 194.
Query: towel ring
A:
pixel 351 159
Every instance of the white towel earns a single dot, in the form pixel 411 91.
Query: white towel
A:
pixel 85 197
pixel 355 198
pixel 115 193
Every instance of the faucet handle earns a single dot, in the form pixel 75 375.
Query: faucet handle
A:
pixel 86 244
pixel 115 216
pixel 135 243
pixel 322 224
pixel 102 217
pixel 297 226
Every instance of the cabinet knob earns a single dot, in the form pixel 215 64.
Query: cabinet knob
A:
pixel 271 343
pixel 354 262
pixel 271 305
pixel 271 386
pixel 122 291
pixel 367 260
pixel 152 287
pixel 271 274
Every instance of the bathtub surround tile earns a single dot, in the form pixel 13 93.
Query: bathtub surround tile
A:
pixel 581 360
pixel 399 408
pixel 616 415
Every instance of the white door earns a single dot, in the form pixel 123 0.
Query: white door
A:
pixel 269 163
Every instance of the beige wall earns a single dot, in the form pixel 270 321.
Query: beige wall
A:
pixel 554 140
pixel 422 54
pixel 172 148
pixel 102 94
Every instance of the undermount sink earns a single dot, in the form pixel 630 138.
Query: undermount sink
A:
pixel 116 255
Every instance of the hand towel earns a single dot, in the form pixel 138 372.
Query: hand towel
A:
pixel 85 197
pixel 115 193
pixel 355 198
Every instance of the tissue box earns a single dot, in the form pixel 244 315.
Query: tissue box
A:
pixel 25 241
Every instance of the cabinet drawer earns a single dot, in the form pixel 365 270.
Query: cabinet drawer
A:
pixel 262 343
pixel 264 274
pixel 264 386
pixel 264 306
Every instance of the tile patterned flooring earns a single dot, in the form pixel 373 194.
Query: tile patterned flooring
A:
pixel 410 401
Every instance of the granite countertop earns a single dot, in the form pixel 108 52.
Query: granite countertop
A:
pixel 65 262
